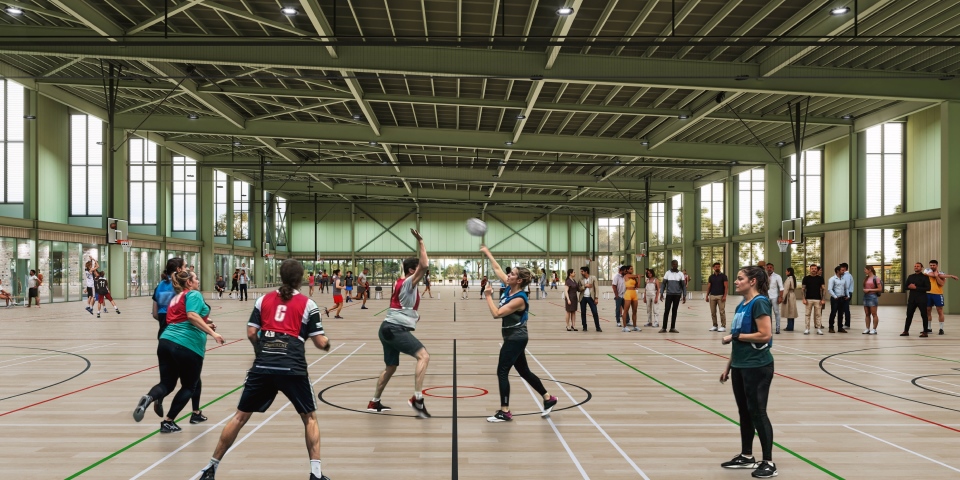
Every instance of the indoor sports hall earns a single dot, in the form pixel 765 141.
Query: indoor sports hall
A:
pixel 771 184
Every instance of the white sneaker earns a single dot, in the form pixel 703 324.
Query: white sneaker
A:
pixel 866 332
pixel 713 329
pixel 873 331
pixel 656 324
pixel 636 328
pixel 625 329
pixel 721 329
pixel 806 332
pixel 819 332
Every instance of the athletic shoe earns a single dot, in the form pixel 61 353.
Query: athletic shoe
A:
pixel 819 332
pixel 500 416
pixel 777 332
pixel 674 330
pixel 618 324
pixel 656 324
pixel 326 311
pixel 941 331
pixel 169 427
pixel 321 477
pixel 598 330
pixel 196 418
pixel 905 334
pixel 377 407
pixel 90 309
pixel 873 331
pixel 806 332
pixel 636 328
pixel 765 470
pixel 713 329
pixel 363 308
pixel 721 329
pixel 158 407
pixel 98 314
pixel 338 316
pixel 929 330
pixel 419 407
pixel 141 407
pixel 626 329
pixel 740 461
pixel 866 332
pixel 118 311
pixel 209 474
pixel 648 324
pixel 548 405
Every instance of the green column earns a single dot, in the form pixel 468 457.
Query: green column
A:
pixel 949 201
pixel 256 235
pixel 690 225
pixel 116 193
pixel 205 220
pixel 858 238
pixel 776 187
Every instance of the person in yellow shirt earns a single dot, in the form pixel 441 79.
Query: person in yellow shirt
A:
pixel 935 295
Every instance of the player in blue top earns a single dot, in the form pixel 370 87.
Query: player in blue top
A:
pixel 513 311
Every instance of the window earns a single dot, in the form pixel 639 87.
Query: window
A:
pixel 709 256
pixel 656 224
pixel 656 263
pixel 220 203
pixel 885 255
pixel 810 183
pixel 184 194
pixel 750 200
pixel 86 166
pixel 750 253
pixel 281 221
pixel 676 207
pixel 143 182
pixel 11 142
pixel 711 211
pixel 241 210
pixel 884 169
pixel 677 254
pixel 610 234
pixel 805 254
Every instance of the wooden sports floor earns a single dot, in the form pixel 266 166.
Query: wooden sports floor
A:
pixel 632 405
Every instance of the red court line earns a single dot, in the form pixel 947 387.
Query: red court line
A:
pixel 98 384
pixel 832 391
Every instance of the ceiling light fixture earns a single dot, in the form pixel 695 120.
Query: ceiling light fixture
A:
pixel 30 117
pixel 508 143
pixel 357 116
pixel 564 11
pixel 496 175
pixel 14 10
pixel 289 11
pixel 521 116
pixel 840 11
pixel 780 144
pixel 193 116
pixel 237 143
pixel 644 142
pixel 683 116
pixel 374 144
pixel 847 117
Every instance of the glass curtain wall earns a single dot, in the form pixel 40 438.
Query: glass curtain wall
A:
pixel 885 255
pixel 805 254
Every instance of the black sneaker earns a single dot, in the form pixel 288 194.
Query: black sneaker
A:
pixel 196 418
pixel 548 406
pixel 941 331
pixel 740 461
pixel 141 407
pixel 98 314
pixel 314 477
pixel 598 329
pixel 377 407
pixel 169 427
pixel 500 416
pixel 326 311
pixel 209 474
pixel 118 311
pixel 419 407
pixel 158 407
pixel 364 308
pixel 765 470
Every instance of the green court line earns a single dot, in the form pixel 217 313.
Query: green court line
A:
pixel 678 392
pixel 137 442
pixel 381 311
pixel 938 358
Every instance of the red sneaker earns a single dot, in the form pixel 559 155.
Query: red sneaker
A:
pixel 377 407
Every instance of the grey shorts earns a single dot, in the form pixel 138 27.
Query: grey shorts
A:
pixel 397 339
pixel 871 300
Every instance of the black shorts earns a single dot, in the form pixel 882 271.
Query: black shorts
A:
pixel 260 389
pixel 397 339
pixel 33 293
pixel 89 291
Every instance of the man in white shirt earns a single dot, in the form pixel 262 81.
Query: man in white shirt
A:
pixel 619 288
pixel 774 293
pixel 588 290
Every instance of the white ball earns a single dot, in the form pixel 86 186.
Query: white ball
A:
pixel 476 227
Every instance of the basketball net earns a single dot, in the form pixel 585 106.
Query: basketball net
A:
pixel 784 245
pixel 126 244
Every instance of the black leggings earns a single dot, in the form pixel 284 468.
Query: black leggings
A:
pixel 162 320
pixel 751 387
pixel 512 355
pixel 178 362
pixel 670 305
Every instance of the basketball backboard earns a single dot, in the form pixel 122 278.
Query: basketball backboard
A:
pixel 117 230
pixel 792 230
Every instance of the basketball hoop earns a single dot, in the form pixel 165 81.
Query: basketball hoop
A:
pixel 641 256
pixel 126 244
pixel 784 245
pixel 268 256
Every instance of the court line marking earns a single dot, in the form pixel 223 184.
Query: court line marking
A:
pixel 42 354
pixel 779 425
pixel 98 384
pixel 238 442
pixel 889 409
pixel 594 422
pixel 904 449
pixel 721 415
pixel 671 358
pixel 55 356
pixel 228 417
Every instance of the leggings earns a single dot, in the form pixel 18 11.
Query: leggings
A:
pixel 670 305
pixel 178 362
pixel 162 320
pixel 751 387
pixel 511 355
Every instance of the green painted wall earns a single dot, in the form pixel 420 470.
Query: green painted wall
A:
pixel 923 161
pixel 558 234
pixel 531 237
pixel 53 129
pixel 371 237
pixel 836 180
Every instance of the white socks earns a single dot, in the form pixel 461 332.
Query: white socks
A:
pixel 418 395
pixel 315 468
pixel 376 400
pixel 214 463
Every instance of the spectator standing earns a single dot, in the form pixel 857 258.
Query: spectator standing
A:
pixel 673 290
pixel 775 293
pixel 813 301
pixel 587 287
pixel 918 285
pixel 717 286
pixel 837 296
pixel 789 299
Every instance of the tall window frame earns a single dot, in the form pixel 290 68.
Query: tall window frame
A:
pixel 676 219
pixel 885 255
pixel 708 256
pixel 885 145
pixel 750 196
pixel 184 194
pixel 142 170
pixel 12 142
pixel 241 210
pixel 750 253
pixel 220 223
pixel 657 235
pixel 86 166
pixel 711 211
pixel 280 221
pixel 810 182
pixel 610 234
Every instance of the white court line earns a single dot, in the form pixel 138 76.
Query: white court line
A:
pixel 594 422
pixel 538 399
pixel 42 354
pixel 671 358
pixel 58 355
pixel 816 425
pixel 904 449
pixel 212 427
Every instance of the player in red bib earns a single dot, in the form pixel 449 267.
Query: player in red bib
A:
pixel 395 332
pixel 285 318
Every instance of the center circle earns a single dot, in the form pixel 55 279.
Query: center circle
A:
pixel 482 391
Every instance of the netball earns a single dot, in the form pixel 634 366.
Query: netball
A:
pixel 476 227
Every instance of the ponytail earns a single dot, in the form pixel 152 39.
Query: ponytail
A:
pixel 180 280
pixel 291 274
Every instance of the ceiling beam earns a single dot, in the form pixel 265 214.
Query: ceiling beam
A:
pixel 357 91
pixel 262 21
pixel 675 126
pixel 90 16
pixel 560 32
pixel 160 17
pixel 189 85
pixel 55 93
pixel 319 21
